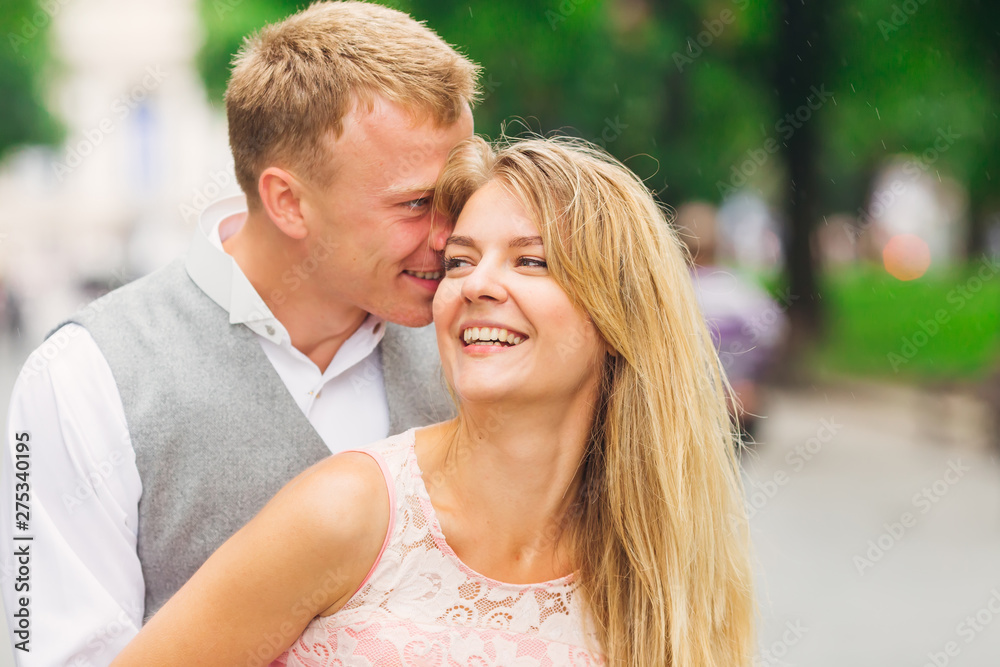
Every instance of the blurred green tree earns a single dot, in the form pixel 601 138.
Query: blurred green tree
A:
pixel 24 60
pixel 801 102
pixel 979 20
pixel 227 23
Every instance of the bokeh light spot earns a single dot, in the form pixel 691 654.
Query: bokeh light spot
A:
pixel 906 256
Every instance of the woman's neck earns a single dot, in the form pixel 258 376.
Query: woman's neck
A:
pixel 502 479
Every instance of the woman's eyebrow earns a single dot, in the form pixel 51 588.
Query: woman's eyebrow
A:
pixel 526 241
pixel 464 241
pixel 519 242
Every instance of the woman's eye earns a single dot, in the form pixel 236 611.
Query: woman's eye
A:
pixel 532 262
pixel 450 263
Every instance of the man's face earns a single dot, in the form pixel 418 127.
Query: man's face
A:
pixel 375 219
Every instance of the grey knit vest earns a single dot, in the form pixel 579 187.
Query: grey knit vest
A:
pixel 215 431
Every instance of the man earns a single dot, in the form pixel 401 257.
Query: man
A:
pixel 176 406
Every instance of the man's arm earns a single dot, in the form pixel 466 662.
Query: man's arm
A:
pixel 79 573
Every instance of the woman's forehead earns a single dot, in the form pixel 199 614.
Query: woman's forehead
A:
pixel 494 211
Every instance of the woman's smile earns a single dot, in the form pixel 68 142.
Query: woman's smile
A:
pixel 482 337
pixel 498 301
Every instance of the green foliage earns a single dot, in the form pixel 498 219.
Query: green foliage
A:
pixel 23 58
pixel 895 92
pixel 226 23
pixel 688 84
pixel 685 92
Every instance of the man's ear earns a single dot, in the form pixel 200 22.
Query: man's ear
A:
pixel 281 196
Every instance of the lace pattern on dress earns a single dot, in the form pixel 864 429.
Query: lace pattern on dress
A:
pixel 421 605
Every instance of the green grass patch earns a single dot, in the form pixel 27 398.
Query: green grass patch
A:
pixel 945 325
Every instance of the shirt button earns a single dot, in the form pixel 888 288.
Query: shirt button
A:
pixel 377 328
pixel 269 329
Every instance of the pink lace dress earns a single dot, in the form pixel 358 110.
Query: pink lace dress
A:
pixel 420 605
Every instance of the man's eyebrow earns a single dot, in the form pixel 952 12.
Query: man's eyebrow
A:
pixel 519 242
pixel 406 190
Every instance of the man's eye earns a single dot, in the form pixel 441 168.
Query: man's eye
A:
pixel 417 204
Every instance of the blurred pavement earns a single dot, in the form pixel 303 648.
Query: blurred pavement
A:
pixel 843 581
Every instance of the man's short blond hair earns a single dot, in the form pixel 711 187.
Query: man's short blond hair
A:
pixel 295 81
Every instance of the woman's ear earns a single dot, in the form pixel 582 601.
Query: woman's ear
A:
pixel 608 347
pixel 281 196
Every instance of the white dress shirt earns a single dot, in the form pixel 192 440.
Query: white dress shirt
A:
pixel 86 587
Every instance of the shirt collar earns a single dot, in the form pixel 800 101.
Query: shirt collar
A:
pixel 220 277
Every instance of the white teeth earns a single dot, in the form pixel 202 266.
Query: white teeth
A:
pixel 426 275
pixel 490 336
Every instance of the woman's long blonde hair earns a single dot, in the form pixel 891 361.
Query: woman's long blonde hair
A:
pixel 660 531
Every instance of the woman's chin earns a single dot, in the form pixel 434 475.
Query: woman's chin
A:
pixel 484 393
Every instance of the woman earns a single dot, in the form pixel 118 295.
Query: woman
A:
pixel 585 506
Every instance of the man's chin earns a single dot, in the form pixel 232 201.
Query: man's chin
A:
pixel 413 316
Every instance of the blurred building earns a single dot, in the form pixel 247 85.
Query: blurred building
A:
pixel 835 241
pixel 143 153
pixel 910 197
pixel 749 234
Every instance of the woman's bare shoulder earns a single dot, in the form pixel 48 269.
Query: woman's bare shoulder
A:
pixel 303 555
pixel 344 496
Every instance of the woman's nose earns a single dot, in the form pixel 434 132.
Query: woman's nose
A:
pixel 484 283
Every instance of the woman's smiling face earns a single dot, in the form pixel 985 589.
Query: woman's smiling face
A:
pixel 497 286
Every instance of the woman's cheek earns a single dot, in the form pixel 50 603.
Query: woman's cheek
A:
pixel 444 298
